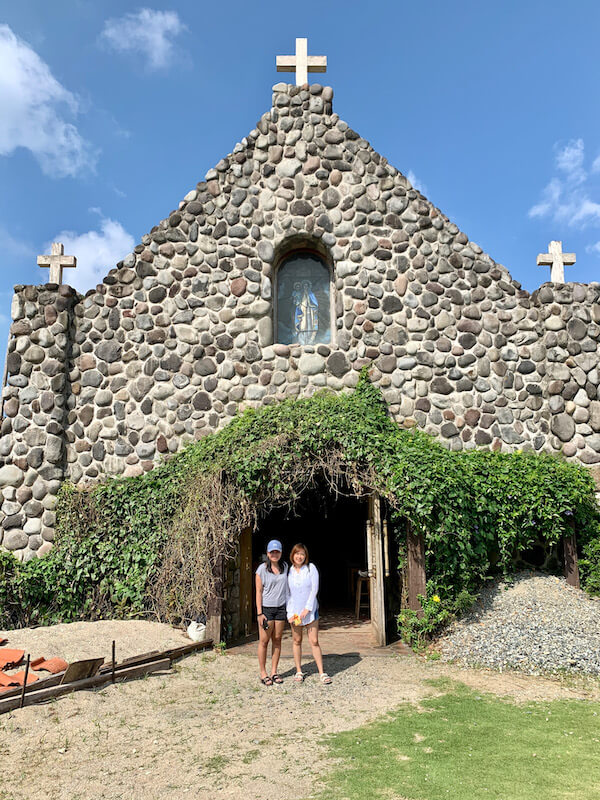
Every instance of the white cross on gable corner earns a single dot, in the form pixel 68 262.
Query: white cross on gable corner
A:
pixel 301 63
pixel 57 261
pixel 556 259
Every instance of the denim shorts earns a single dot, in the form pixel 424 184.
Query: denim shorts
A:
pixel 275 613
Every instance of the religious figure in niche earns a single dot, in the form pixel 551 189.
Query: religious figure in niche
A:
pixel 306 313
pixel 303 301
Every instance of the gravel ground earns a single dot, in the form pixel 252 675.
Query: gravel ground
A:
pixel 536 624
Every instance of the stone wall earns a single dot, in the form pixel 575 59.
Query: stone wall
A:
pixel 179 337
pixel 36 402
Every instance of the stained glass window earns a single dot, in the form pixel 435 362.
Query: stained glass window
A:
pixel 303 301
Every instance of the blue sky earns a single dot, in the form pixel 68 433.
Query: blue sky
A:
pixel 110 112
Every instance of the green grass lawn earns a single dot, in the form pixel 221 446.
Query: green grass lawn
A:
pixel 468 746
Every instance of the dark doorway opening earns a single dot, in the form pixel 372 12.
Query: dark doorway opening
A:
pixel 332 526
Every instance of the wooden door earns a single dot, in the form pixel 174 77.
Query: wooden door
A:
pixel 375 561
pixel 392 578
pixel 214 614
pixel 246 582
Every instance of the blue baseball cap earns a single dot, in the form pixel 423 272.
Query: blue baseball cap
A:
pixel 274 544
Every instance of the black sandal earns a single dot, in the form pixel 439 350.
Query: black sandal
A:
pixel 267 681
pixel 276 678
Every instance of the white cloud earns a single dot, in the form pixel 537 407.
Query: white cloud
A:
pixel 35 108
pixel 550 199
pixel 97 252
pixel 569 159
pixel 584 211
pixel 416 183
pixel 566 199
pixel 147 33
pixel 593 248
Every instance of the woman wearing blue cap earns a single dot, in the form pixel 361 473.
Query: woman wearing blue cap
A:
pixel 271 599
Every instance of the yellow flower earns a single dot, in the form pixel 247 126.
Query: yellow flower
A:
pixel 436 598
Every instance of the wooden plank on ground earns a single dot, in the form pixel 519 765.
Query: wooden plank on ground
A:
pixel 88 683
pixel 132 661
pixel 79 670
pixel 43 683
pixel 184 649
pixel 172 653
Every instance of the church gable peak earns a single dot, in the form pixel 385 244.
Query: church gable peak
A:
pixel 303 170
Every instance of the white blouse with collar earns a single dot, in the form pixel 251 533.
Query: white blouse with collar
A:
pixel 303 585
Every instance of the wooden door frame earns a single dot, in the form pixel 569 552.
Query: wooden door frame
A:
pixel 376 570
pixel 214 615
pixel 246 582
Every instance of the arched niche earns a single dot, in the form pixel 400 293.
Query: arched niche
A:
pixel 303 298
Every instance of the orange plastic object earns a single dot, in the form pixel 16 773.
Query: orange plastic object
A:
pixel 53 665
pixel 10 658
pixel 4 679
pixel 34 663
pixel 18 678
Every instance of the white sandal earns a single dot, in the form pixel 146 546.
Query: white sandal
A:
pixel 299 677
pixel 325 678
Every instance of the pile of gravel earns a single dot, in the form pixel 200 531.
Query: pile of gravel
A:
pixel 536 624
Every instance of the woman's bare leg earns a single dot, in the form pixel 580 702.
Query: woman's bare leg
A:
pixel 313 637
pixel 263 642
pixel 276 645
pixel 297 646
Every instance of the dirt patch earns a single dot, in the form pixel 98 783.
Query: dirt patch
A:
pixel 76 640
pixel 208 728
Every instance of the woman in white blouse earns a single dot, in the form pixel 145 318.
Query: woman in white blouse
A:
pixel 303 609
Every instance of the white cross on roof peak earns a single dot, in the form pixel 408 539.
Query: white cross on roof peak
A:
pixel 301 63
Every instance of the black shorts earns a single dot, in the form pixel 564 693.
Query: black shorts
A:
pixel 275 612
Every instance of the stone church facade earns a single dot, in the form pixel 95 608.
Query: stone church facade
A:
pixel 194 324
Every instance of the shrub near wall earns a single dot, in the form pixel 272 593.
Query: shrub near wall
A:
pixel 148 545
pixel 589 566
pixel 498 506
pixel 109 542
